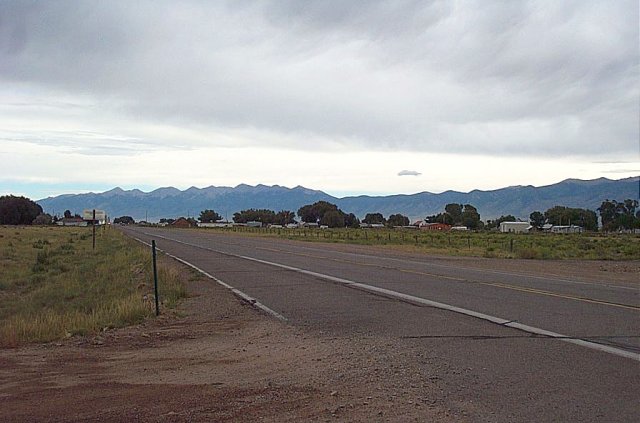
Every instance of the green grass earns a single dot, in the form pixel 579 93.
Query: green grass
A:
pixel 54 285
pixel 586 246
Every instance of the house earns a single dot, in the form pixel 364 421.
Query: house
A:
pixel 435 227
pixel 571 229
pixel 308 225
pixel 515 227
pixel 72 221
pixel 220 224
pixel 181 223
pixel 459 228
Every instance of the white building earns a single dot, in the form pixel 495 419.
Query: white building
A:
pixel 572 229
pixel 515 227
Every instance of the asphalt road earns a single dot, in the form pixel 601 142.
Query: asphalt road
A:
pixel 480 333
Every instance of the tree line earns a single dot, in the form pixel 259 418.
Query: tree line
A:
pixel 614 215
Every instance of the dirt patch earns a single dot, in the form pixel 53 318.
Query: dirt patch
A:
pixel 215 359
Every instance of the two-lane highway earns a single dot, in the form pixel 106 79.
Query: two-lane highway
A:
pixel 545 340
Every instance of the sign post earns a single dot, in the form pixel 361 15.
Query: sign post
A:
pixel 93 224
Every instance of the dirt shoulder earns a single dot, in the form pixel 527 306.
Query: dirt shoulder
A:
pixel 216 359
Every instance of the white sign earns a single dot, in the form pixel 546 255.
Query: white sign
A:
pixel 100 215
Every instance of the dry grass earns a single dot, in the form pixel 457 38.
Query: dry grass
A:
pixel 586 246
pixel 54 285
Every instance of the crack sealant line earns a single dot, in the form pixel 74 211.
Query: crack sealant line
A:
pixel 423 301
pixel 235 291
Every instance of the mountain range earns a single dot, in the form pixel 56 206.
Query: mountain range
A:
pixel 168 202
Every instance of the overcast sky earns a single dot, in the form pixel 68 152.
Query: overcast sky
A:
pixel 350 97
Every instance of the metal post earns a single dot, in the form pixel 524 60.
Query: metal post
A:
pixel 155 276
pixel 93 223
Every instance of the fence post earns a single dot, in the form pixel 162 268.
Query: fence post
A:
pixel 93 224
pixel 155 276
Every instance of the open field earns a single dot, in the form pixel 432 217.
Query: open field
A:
pixel 54 285
pixel 586 246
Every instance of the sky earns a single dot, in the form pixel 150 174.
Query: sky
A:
pixel 348 97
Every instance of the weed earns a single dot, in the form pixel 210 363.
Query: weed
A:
pixel 42 261
pixel 72 290
pixel 40 243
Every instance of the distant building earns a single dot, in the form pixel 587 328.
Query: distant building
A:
pixel 459 228
pixel 181 223
pixel 547 227
pixel 72 221
pixel 309 225
pixel 254 224
pixel 515 227
pixel 215 224
pixel 571 229
pixel 435 227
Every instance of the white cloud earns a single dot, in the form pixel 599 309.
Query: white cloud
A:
pixel 409 173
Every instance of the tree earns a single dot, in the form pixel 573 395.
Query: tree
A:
pixel 126 220
pixel 455 212
pixel 313 213
pixel 398 220
pixel 18 210
pixel 264 216
pixel 67 214
pixel 561 215
pixel 470 217
pixel 351 221
pixel 209 216
pixel 333 219
pixel 322 212
pixel 374 219
pixel 284 217
pixel 440 218
pixel 616 216
pixel 43 219
pixel 537 219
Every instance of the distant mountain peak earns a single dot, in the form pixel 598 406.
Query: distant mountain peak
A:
pixel 170 202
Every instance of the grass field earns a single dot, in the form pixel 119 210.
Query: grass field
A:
pixel 54 285
pixel 586 246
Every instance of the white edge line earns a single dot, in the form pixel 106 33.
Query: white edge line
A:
pixel 237 292
pixel 423 301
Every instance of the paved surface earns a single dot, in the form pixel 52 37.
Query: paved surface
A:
pixel 507 374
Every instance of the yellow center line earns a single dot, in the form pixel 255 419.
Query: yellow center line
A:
pixel 555 294
pixel 417 272
pixel 494 284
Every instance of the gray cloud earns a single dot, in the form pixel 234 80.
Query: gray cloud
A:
pixel 523 78
pixel 409 173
